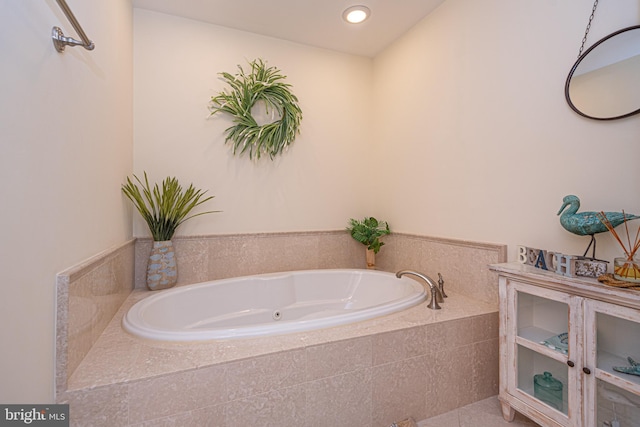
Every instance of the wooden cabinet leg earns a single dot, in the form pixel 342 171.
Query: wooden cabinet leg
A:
pixel 508 413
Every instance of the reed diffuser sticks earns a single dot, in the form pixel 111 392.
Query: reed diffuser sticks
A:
pixel 624 268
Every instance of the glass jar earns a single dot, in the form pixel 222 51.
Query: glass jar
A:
pixel 548 389
pixel 626 269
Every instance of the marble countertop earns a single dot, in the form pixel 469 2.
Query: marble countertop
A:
pixel 582 286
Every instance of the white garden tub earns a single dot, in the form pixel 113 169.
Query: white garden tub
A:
pixel 270 304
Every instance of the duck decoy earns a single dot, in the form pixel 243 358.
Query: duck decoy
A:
pixel 588 223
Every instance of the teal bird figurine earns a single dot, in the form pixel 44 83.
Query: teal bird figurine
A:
pixel 588 223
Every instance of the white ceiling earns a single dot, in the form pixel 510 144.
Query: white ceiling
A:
pixel 312 22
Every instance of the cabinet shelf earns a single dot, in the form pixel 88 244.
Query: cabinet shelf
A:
pixel 542 349
pixel 539 335
pixel 605 372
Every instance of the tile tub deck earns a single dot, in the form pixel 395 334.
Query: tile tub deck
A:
pixel 418 362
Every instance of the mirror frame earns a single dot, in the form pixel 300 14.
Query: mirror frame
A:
pixel 575 66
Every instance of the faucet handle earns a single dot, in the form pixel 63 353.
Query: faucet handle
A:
pixel 441 285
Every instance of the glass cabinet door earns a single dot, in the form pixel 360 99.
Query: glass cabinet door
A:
pixel 613 363
pixel 545 350
pixel 616 407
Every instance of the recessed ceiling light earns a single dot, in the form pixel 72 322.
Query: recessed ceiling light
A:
pixel 356 14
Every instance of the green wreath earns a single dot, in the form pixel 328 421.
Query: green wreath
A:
pixel 262 84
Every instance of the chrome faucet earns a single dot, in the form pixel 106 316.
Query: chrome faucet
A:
pixel 433 287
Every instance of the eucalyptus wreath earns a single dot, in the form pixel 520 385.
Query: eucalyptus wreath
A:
pixel 261 84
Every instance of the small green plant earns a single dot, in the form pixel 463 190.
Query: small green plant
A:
pixel 164 209
pixel 368 232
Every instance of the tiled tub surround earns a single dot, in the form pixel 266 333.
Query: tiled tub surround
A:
pixel 204 258
pixel 88 295
pixel 201 258
pixel 418 363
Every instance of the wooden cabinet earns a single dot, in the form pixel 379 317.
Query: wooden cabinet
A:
pixel 560 339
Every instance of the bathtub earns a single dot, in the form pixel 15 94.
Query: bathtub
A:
pixel 270 304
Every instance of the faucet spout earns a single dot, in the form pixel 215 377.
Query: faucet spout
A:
pixel 433 287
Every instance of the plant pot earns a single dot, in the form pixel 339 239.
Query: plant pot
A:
pixel 371 259
pixel 626 269
pixel 162 271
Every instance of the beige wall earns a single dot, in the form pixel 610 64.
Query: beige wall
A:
pixel 318 184
pixel 459 129
pixel 66 138
pixel 477 138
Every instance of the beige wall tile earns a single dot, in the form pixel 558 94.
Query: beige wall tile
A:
pixel 436 339
pixel 231 256
pixel 340 250
pixel 449 335
pixel 399 390
pixel 267 373
pixel 297 253
pixel 143 249
pixel 336 358
pixel 458 333
pixel 114 361
pixel 212 416
pixel 283 408
pixel 453 378
pixel 341 400
pixel 62 367
pixel 485 327
pixel 101 407
pixel 399 345
pixel 202 258
pixel 486 369
pixel 192 257
pixel 462 264
pixel 88 296
pixel 172 394
pixel 155 361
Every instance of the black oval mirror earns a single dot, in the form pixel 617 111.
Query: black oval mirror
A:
pixel 604 82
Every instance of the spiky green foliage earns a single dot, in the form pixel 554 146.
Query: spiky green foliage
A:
pixel 368 232
pixel 262 84
pixel 164 209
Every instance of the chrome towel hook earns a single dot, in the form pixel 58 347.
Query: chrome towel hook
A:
pixel 60 41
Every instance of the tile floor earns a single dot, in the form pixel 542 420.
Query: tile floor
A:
pixel 485 413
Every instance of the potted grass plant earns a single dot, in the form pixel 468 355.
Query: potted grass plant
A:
pixel 163 208
pixel 368 232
